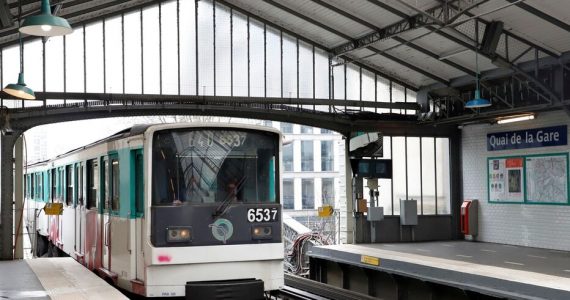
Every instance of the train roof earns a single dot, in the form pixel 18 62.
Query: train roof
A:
pixel 142 128
pixel 127 132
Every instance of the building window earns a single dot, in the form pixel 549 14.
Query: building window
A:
pixel 328 191
pixel 288 194
pixel 327 156
pixel 288 157
pixel 327 131
pixel 307 156
pixel 286 127
pixel 268 123
pixel 306 129
pixel 308 193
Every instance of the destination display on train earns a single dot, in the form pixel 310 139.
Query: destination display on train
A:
pixel 529 138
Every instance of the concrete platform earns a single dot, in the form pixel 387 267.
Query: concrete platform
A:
pixel 491 269
pixel 52 278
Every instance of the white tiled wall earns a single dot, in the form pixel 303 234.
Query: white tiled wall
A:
pixel 542 226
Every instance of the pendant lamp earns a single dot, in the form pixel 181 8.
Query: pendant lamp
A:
pixel 45 24
pixel 20 90
pixel 477 101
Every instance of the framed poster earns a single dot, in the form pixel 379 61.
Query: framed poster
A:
pixel 547 178
pixel 506 180
pixel 529 179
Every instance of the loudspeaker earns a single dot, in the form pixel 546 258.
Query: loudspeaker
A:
pixel 491 37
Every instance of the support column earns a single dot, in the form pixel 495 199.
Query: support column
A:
pixel 348 214
pixel 6 195
pixel 19 198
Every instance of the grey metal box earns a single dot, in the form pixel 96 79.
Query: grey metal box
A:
pixel 408 212
pixel 375 213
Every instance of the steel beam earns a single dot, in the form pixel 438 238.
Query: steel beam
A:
pixel 218 100
pixel 399 39
pixel 437 15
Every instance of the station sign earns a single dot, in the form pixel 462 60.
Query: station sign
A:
pixel 529 138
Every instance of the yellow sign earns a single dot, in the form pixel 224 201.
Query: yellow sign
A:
pixel 326 211
pixel 53 209
pixel 370 260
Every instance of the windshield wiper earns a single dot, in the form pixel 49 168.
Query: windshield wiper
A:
pixel 223 207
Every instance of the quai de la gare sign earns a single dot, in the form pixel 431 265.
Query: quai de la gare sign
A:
pixel 528 138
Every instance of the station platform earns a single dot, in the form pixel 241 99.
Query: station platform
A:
pixel 496 270
pixel 59 278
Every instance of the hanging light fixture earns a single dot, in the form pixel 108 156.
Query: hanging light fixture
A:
pixel 45 24
pixel 477 101
pixel 20 90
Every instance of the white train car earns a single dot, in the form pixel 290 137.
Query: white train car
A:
pixel 167 210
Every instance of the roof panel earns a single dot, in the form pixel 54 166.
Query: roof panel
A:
pixel 367 11
pixel 420 4
pixel 558 9
pixel 425 62
pixel 517 20
pixel 290 22
pixel 327 17
pixel 396 70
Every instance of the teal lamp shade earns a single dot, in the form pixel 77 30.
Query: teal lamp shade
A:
pixel 478 102
pixel 20 90
pixel 45 24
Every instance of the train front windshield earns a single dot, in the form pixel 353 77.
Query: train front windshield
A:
pixel 213 166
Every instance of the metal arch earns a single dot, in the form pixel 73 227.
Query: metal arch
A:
pixel 119 105
pixel 546 17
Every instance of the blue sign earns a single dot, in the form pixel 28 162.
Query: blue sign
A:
pixel 530 138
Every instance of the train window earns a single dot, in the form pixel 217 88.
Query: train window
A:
pixel 105 176
pixel 32 181
pixel 69 185
pixel 61 183
pixel 114 184
pixel 217 165
pixel 79 179
pixel 139 183
pixel 53 185
pixel 40 181
pixel 92 183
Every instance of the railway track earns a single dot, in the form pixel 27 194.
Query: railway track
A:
pixel 299 288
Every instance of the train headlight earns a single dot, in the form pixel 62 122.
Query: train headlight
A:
pixel 178 234
pixel 261 232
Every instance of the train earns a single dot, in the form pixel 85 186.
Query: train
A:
pixel 167 210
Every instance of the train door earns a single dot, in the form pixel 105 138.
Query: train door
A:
pixel 92 227
pixel 139 206
pixel 79 205
pixel 106 217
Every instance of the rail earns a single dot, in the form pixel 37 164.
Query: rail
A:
pixel 300 287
